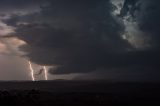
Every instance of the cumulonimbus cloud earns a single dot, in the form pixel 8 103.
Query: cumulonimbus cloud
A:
pixel 77 36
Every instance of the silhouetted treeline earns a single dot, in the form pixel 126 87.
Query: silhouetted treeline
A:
pixel 36 97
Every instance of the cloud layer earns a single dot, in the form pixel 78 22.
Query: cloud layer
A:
pixel 84 36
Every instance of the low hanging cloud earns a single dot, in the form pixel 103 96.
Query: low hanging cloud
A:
pixel 78 37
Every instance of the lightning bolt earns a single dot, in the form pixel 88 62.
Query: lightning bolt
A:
pixel 32 71
pixel 45 72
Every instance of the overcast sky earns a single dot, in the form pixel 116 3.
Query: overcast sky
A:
pixel 80 39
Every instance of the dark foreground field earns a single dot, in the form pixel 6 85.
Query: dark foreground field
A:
pixel 79 93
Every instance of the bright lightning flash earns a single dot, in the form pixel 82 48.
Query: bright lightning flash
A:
pixel 32 71
pixel 45 72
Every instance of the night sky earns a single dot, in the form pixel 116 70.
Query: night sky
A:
pixel 115 40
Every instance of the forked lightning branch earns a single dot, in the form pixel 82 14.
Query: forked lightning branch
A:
pixel 32 71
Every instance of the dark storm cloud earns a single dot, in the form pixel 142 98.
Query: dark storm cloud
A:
pixel 19 7
pixel 146 14
pixel 148 18
pixel 125 61
pixel 129 6
pixel 19 4
pixel 75 35
pixel 78 36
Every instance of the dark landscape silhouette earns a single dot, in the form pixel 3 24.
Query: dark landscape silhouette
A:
pixel 78 93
